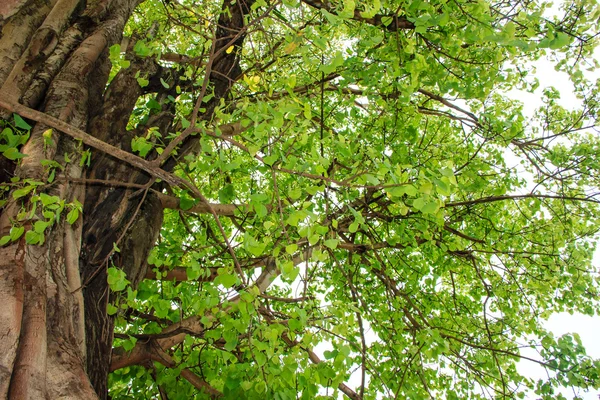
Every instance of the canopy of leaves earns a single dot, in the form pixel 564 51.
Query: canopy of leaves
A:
pixel 381 197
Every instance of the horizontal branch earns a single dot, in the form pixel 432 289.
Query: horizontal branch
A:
pixel 96 143
pixel 492 199
pixel 179 274
pixel 176 333
pixel 165 359
pixel 172 202
pixel 448 104
pixel 313 357
pixel 397 22
pixel 461 234
pixel 287 299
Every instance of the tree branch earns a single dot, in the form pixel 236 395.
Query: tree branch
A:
pixel 165 359
pixel 492 199
pixel 398 22
pixel 96 143
pixel 229 210
pixel 314 358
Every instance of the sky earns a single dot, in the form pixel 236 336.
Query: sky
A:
pixel 587 327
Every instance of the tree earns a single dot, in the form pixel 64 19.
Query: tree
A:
pixel 196 194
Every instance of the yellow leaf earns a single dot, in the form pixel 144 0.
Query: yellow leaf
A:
pixel 290 47
pixel 229 49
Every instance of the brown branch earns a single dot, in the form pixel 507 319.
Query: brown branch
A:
pixel 180 274
pixel 165 359
pixel 173 203
pixel 137 356
pixel 286 299
pixel 96 143
pixel 176 333
pixel 461 234
pixel 448 104
pixel 122 155
pixel 398 22
pixel 167 201
pixel 492 199
pixel 314 358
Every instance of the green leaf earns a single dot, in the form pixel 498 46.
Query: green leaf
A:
pixel 141 145
pixel 386 20
pixel 288 270
pixel 33 237
pixel 16 232
pixel 143 82
pixel 20 122
pixel 48 200
pixel 431 207
pixel 261 210
pixel 115 52
pixel 419 203
pixel 256 249
pixel 333 64
pixel 330 354
pixel 295 218
pixel 128 344
pixel 291 248
pixel 370 11
pixel 116 279
pixel 561 40
pixel 348 11
pixel 17 194
pixel 72 216
pixel 141 49
pixel 227 280
pixel 331 243
pixel 4 240
pixel 111 309
pixel 40 226
pixel 13 154
pixel 260 386
pixel 227 195
pixel 270 160
pixel 185 203
pixel 294 194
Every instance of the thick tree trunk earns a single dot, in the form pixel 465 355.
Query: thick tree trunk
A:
pixel 129 218
pixel 56 334
pixel 53 56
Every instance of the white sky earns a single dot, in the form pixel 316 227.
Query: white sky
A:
pixel 587 327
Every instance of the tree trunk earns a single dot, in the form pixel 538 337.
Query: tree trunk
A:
pixel 56 333
pixel 54 57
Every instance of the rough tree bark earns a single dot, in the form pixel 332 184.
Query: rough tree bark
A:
pixel 56 336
